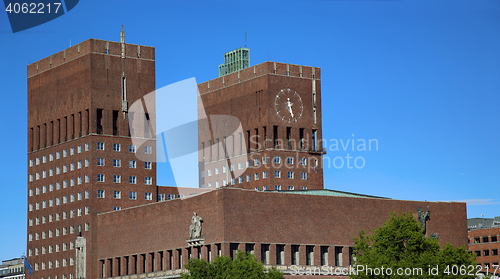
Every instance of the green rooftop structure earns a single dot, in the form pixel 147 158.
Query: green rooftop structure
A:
pixel 235 60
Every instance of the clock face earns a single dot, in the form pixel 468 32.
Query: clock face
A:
pixel 288 105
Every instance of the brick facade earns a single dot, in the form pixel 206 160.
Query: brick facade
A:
pixel 485 244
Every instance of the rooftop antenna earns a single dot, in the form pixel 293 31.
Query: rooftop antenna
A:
pixel 245 38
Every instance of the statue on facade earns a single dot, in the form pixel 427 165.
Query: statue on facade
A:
pixel 195 227
pixel 422 218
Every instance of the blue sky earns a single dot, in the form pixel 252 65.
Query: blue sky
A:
pixel 421 77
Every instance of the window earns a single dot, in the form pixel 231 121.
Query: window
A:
pixel 256 188
pixel 58 201
pixel 30 223
pixel 256 162
pixel 116 147
pixel 44 189
pixel 72 198
pixel 31 207
pixel 65 168
pixel 132 195
pixel 38 190
pixel 290 175
pixel 277 187
pixel 51 187
pixel 289 160
pixel 87 147
pixel 233 181
pixel 131 164
pixel 51 172
pixel 290 188
pixel 148 180
pixel 58 233
pixel 65 199
pixel 217 170
pixel 117 194
pixel 478 253
pixel 87 194
pixel 116 178
pixel 224 169
pixel 232 167
pixel 79 165
pixel 209 172
pixel 87 162
pixel 80 180
pixel 100 177
pixel 58 155
pixel 240 179
pixel 249 177
pixel 240 165
pixel 72 151
pixel 51 203
pixel 147 165
pixel 37 175
pixel 37 206
pixel 256 176
pixel 100 194
pixel 147 149
pixel 38 161
pixel 132 179
pixel 100 162
pixel 31 192
pixel 72 182
pixel 100 146
pixel 486 239
pixel 277 159
pixel 79 149
pixel 131 148
pixel 264 160
pixel 486 252
pixel 249 163
pixel 31 162
pixel 44 174
pixel 44 159
pixel 87 226
pixel 87 210
pixel 303 161
pixel 80 196
pixel 31 177
pixel 65 153
pixel 148 196
pixel 51 157
pixel 87 178
pixel 494 238
pixel 303 175
pixel 116 208
pixel 44 204
pixel 217 184
pixel 117 163
pixel 171 196
pixel 277 174
pixel 161 197
pixel 264 188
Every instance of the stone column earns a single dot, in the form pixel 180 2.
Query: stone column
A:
pixel 345 256
pixel 123 266
pixel 317 255
pixel 288 254
pixel 272 254
pixel 302 255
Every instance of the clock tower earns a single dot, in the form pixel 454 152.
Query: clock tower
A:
pixel 260 128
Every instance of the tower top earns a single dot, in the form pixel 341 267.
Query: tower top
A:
pixel 122 36
pixel 235 60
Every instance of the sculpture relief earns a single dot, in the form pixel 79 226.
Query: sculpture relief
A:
pixel 195 227
pixel 422 218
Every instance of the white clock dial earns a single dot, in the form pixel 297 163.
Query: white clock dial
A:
pixel 288 105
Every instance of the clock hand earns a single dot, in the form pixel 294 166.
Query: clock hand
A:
pixel 289 105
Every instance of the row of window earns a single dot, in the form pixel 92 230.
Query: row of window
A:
pixel 57 264
pixel 256 162
pixel 117 163
pixel 118 195
pixel 59 201
pixel 43 159
pixel 56 233
pixel 131 148
pixel 65 215
pixel 132 179
pixel 485 239
pixel 58 170
pixel 486 252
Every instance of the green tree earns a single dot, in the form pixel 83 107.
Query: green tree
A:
pixel 399 246
pixel 243 266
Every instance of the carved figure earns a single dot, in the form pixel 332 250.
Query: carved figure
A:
pixel 195 227
pixel 422 218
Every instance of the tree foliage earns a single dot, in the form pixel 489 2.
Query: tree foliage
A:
pixel 243 266
pixel 400 244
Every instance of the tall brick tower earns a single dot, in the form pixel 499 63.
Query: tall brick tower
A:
pixel 81 159
pixel 277 142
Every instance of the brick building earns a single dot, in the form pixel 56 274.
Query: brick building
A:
pixel 484 242
pixel 95 210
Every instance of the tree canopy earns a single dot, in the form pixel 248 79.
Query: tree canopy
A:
pixel 400 248
pixel 243 266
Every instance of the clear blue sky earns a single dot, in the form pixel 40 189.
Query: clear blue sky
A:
pixel 421 77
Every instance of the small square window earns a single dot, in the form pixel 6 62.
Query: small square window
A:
pixel 65 153
pixel 100 194
pixel 277 160
pixel 303 176
pixel 51 157
pixel 116 178
pixel 117 194
pixel 87 162
pixel 87 146
pixel 249 177
pixel 264 160
pixel 117 163
pixel 148 196
pixel 116 208
pixel 290 188
pixel 58 155
pixel 289 160
pixel 72 151
pixel 264 188
pixel 256 176
pixel 44 159
pixel 100 162
pixel 277 187
pixel 290 175
pixel 303 161
pixel 132 179
pixel 79 149
pixel 147 165
pixel 100 177
pixel 277 174
pixel 147 149
pixel 131 164
pixel 116 147
pixel 131 148
pixel 133 195
pixel 100 146
pixel 148 180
